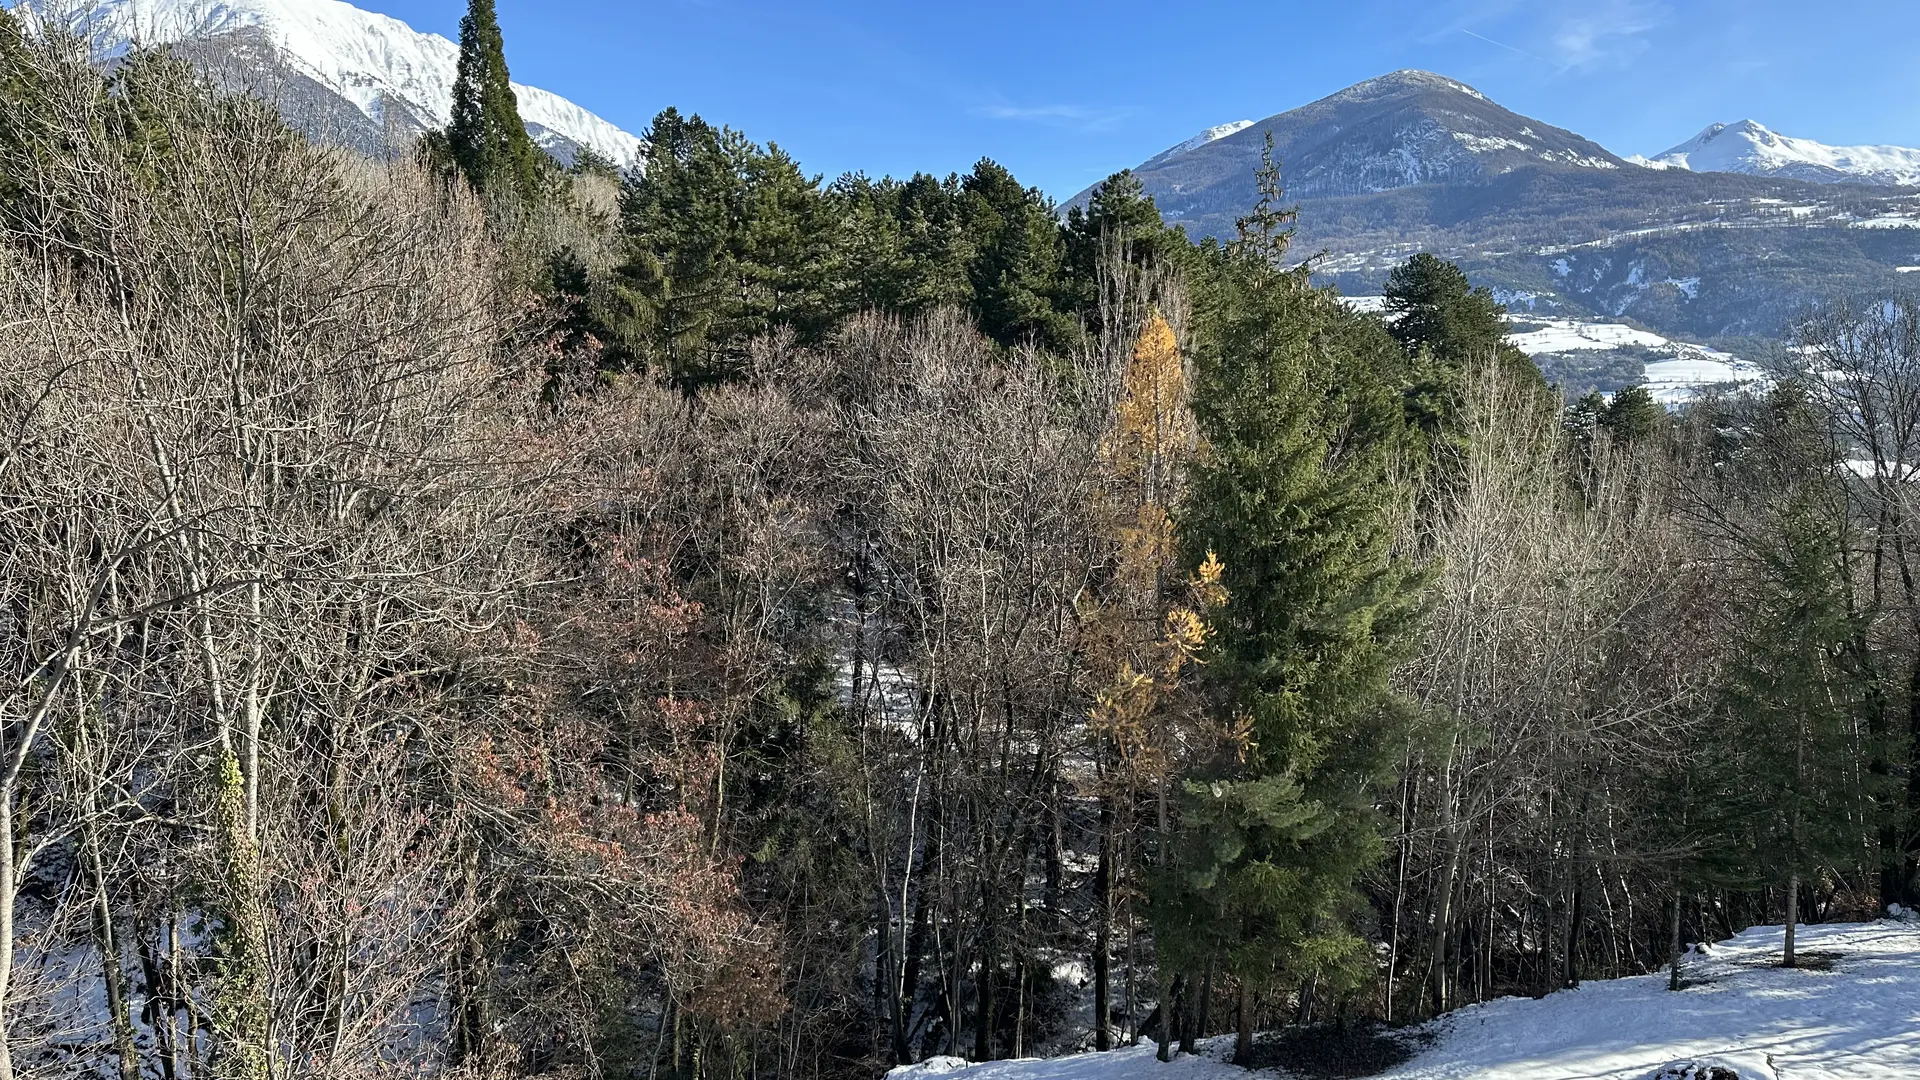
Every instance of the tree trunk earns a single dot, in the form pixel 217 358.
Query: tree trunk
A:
pixel 8 890
pixel 1103 933
pixel 1243 1028
pixel 1171 1014
pixel 1204 1021
pixel 1793 916
pixel 1673 941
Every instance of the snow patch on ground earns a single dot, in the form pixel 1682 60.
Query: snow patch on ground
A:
pixel 1691 369
pixel 1852 1014
pixel 1572 335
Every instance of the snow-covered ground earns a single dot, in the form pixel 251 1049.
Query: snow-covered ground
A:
pixel 1672 382
pixel 1571 335
pixel 1854 1016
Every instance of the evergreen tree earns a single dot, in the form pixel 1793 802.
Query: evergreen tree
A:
pixel 1632 415
pixel 1119 219
pixel 1799 798
pixel 724 242
pixel 1298 403
pixel 1792 701
pixel 486 138
pixel 676 291
pixel 789 250
pixel 1017 269
pixel 905 247
pixel 1445 325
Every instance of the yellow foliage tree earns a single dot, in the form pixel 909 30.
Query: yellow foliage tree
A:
pixel 1148 627
pixel 1152 438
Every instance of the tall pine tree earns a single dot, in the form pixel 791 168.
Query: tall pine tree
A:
pixel 1801 799
pixel 486 138
pixel 1298 402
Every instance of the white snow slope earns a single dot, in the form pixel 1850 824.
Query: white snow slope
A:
pixel 1202 139
pixel 360 55
pixel 1860 1020
pixel 1747 147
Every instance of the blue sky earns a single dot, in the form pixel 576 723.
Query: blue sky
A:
pixel 1065 93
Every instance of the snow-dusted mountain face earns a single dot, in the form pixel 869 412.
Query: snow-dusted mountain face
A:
pixel 1414 161
pixel 1396 131
pixel 1747 147
pixel 349 75
pixel 1212 134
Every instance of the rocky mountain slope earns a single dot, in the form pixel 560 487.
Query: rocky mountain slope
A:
pixel 341 73
pixel 1415 161
pixel 1399 130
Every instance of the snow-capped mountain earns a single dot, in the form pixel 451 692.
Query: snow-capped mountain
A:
pixel 327 62
pixel 1748 147
pixel 1211 134
pixel 1400 130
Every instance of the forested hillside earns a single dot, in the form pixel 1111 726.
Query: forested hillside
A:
pixel 464 616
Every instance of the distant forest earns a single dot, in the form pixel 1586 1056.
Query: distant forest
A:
pixel 463 616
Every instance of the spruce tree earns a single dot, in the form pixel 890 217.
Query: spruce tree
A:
pixel 486 138
pixel 1446 326
pixel 1792 704
pixel 1298 404
pixel 1632 415
pixel 1794 695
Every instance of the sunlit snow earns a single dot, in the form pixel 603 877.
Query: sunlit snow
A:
pixel 360 55
pixel 1852 1014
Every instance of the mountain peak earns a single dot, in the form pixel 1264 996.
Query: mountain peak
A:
pixel 1403 129
pixel 1750 147
pixel 363 63
pixel 1406 80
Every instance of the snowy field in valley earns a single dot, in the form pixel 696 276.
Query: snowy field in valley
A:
pixel 1692 369
pixel 1852 1014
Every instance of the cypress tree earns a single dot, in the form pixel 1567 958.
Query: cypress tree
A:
pixel 1298 404
pixel 486 138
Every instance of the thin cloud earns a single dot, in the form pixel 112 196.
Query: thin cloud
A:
pixel 1608 33
pixel 1074 117
pixel 1511 48
pixel 1566 36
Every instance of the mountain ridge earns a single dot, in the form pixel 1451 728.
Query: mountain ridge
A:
pixel 1750 147
pixel 1416 161
pixel 397 79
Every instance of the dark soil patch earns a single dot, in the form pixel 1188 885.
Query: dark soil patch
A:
pixel 1816 960
pixel 1334 1052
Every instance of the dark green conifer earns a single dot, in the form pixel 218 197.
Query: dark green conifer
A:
pixel 1632 415
pixel 486 137
pixel 1019 256
pixel 1298 401
pixel 1446 326
pixel 1795 693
